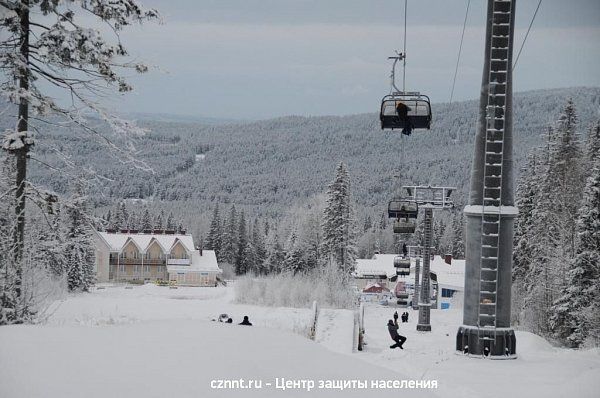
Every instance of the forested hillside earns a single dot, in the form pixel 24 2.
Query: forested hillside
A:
pixel 266 167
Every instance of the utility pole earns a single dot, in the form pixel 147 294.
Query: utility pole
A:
pixel 491 210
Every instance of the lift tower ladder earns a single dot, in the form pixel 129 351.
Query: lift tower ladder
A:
pixel 494 158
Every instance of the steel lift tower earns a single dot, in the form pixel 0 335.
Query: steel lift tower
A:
pixel 491 210
pixel 427 198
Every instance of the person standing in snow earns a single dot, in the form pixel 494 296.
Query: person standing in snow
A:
pixel 246 321
pixel 404 249
pixel 393 330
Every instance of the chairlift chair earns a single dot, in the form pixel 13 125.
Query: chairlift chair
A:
pixel 404 226
pixel 418 111
pixel 402 266
pixel 399 208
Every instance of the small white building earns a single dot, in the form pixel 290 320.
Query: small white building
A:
pixel 153 256
pixel 447 274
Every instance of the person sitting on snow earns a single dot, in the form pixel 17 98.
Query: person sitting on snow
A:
pixel 246 321
pixel 393 329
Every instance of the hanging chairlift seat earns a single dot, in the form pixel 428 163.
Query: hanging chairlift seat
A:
pixel 402 266
pixel 404 226
pixel 399 208
pixel 418 111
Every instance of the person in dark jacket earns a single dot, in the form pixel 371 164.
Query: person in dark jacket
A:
pixel 404 249
pixel 402 111
pixel 393 330
pixel 246 321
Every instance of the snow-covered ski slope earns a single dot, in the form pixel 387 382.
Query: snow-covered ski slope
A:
pixel 155 342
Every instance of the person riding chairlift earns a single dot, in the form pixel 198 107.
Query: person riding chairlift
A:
pixel 402 111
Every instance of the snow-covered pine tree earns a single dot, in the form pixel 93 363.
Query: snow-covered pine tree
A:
pixel 258 244
pixel 214 240
pixel 526 200
pixel 50 244
pixel 147 223
pixel 134 221
pixel 593 143
pixel 570 321
pixel 79 250
pixel 10 301
pixel 294 255
pixel 242 262
pixel 565 185
pixel 458 242
pixel 230 237
pixel 160 221
pixel 565 173
pixel 339 223
pixel 275 253
pixel 45 46
pixel 171 226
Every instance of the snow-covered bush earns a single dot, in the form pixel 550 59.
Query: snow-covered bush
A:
pixel 327 286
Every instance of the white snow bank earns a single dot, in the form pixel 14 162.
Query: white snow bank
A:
pixel 178 358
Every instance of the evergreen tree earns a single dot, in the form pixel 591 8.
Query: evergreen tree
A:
pixel 593 143
pixel 147 220
pixel 565 174
pixel 458 242
pixel 160 223
pixel 258 244
pixel 79 251
pixel 230 237
pixel 526 200
pixel 339 223
pixel 171 226
pixel 275 254
pixel 242 263
pixel 368 224
pixel 294 261
pixel 569 320
pixel 121 217
pixel 214 239
pixel 540 280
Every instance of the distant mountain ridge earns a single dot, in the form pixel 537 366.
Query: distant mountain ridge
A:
pixel 267 166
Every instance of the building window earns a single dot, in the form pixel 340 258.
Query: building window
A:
pixel 147 268
pixel 122 268
pixel 447 292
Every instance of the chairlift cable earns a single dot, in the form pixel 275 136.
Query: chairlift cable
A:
pixel 404 50
pixel 462 36
pixel 526 34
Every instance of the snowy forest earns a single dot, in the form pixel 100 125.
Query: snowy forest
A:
pixel 556 269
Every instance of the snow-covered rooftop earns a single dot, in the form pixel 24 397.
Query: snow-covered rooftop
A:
pixel 448 276
pixel 116 241
pixel 205 262
pixel 380 264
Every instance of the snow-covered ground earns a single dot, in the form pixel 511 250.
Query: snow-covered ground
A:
pixel 154 342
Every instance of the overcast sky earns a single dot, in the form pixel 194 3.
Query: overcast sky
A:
pixel 252 59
